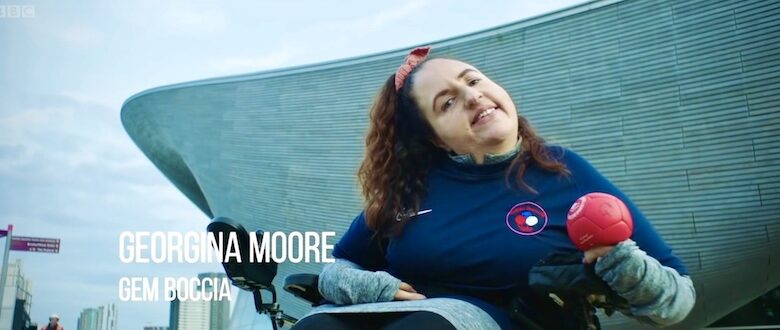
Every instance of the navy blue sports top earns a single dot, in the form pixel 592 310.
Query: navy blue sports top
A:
pixel 482 236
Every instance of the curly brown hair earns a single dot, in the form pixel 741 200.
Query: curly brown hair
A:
pixel 399 153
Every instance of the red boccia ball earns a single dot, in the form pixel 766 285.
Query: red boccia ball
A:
pixel 598 219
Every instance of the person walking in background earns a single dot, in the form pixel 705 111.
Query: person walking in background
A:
pixel 54 323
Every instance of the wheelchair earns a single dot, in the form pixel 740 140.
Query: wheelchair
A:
pixel 258 277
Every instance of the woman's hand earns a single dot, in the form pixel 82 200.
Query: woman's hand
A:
pixel 594 253
pixel 407 292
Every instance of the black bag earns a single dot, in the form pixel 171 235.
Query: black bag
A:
pixel 561 285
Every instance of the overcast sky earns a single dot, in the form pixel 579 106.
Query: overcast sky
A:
pixel 68 169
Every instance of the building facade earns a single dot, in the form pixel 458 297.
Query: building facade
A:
pixel 219 310
pixel 17 299
pixel 201 314
pixel 89 319
pixel 98 318
pixel 190 315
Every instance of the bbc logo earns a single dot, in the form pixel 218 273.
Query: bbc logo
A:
pixel 16 11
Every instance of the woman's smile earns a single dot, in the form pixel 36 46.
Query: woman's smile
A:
pixel 484 117
pixel 468 112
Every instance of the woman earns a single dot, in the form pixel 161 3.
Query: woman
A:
pixel 462 198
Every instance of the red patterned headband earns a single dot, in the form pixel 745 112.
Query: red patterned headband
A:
pixel 416 56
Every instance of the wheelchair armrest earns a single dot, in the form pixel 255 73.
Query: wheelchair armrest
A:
pixel 304 286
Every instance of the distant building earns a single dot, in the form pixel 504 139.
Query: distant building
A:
pixel 89 319
pixel 219 310
pixel 100 318
pixel 190 315
pixel 16 300
pixel 201 315
pixel 155 328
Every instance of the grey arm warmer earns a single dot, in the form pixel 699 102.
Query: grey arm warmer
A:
pixel 657 294
pixel 345 283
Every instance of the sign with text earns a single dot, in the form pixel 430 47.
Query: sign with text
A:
pixel 35 244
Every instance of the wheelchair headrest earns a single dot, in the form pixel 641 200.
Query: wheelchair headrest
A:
pixel 245 275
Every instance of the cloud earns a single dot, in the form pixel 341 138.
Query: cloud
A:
pixel 367 24
pixel 79 35
pixel 297 47
pixel 91 99
pixel 60 138
pixel 535 8
pixel 173 18
pixel 280 57
pixel 192 20
pixel 56 25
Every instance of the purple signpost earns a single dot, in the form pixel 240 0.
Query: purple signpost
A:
pixel 35 244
